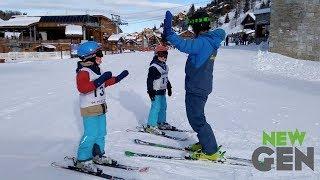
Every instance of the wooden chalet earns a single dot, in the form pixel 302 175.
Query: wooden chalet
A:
pixel 249 21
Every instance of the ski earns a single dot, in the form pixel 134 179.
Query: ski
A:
pixel 128 168
pixel 98 174
pixel 141 142
pixel 174 129
pixel 142 130
pixel 135 154
pixel 119 166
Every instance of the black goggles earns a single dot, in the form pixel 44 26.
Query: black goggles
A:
pixel 99 54
pixel 162 54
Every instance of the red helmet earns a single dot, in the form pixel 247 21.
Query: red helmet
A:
pixel 161 47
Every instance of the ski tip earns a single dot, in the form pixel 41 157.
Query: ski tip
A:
pixel 54 164
pixel 129 153
pixel 144 170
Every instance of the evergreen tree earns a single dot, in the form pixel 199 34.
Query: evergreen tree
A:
pixel 269 3
pixel 227 19
pixel 246 6
pixel 5 15
pixel 252 4
pixel 237 13
pixel 263 5
pixel 191 11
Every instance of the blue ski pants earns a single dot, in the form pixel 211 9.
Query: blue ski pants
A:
pixel 195 105
pixel 93 140
pixel 158 110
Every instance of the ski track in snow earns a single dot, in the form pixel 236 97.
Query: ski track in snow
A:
pixel 253 91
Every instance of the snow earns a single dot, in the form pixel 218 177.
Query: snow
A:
pixel 252 15
pixel 253 91
pixel 73 30
pixel 262 11
pixel 234 26
pixel 116 37
pixel 20 21
pixel 11 34
pixel 130 38
pixel 48 46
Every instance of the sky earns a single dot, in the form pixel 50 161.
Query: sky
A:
pixel 139 14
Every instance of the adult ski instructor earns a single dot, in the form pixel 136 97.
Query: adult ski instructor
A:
pixel 199 76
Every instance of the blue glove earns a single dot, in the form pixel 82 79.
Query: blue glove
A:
pixel 103 78
pixel 167 24
pixel 122 75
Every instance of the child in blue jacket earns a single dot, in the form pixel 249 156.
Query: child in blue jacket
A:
pixel 199 77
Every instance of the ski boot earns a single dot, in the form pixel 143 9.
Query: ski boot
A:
pixel 87 166
pixel 153 130
pixel 104 160
pixel 166 126
pixel 199 155
pixel 194 147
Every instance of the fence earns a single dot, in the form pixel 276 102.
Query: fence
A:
pixel 35 55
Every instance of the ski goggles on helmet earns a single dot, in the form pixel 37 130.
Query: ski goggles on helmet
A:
pixel 99 54
pixel 162 54
pixel 198 20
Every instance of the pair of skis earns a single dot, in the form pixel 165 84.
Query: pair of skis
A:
pixel 163 134
pixel 234 160
pixel 100 172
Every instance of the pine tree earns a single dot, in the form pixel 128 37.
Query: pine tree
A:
pixel 263 5
pixel 191 11
pixel 227 19
pixel 246 6
pixel 237 13
pixel 252 4
pixel 5 15
pixel 268 3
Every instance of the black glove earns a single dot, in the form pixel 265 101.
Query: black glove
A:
pixel 169 88
pixel 169 91
pixel 152 94
pixel 122 75
pixel 103 78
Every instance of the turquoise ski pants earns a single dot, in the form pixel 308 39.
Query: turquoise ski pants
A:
pixel 93 140
pixel 158 110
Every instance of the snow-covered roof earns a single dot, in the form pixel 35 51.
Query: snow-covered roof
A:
pixel 249 31
pixel 115 37
pixel 73 30
pixel 49 46
pixel 252 15
pixel 160 29
pixel 176 29
pixel 262 11
pixel 130 38
pixel 185 32
pixel 158 35
pixel 20 21
pixel 248 14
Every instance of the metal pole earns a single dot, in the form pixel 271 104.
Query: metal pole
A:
pixel 30 34
pixel 34 33
pixel 84 32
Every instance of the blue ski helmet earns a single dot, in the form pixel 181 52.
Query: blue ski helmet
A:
pixel 88 50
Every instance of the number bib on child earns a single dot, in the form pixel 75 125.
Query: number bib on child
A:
pixel 161 83
pixel 96 97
